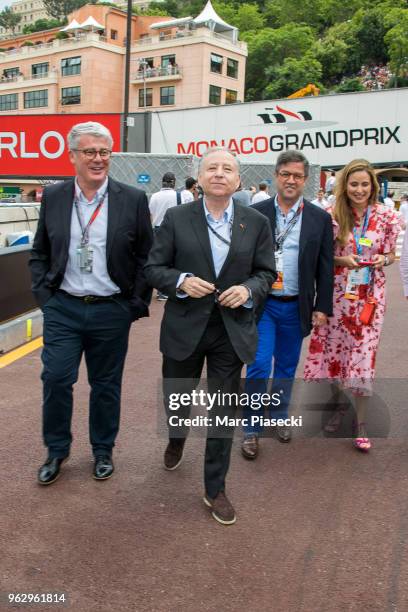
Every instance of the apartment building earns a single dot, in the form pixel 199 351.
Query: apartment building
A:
pixel 30 11
pixel 175 64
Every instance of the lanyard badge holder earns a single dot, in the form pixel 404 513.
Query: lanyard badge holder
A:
pixel 280 238
pixel 363 275
pixel 84 250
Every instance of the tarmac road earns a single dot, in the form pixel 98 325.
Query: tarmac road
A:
pixel 321 528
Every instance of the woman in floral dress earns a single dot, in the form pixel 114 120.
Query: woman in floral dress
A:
pixel 344 350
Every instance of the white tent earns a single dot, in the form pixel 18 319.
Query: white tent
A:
pixel 209 17
pixel 91 24
pixel 71 27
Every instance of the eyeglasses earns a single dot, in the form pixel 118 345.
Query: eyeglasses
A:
pixel 286 175
pixel 92 153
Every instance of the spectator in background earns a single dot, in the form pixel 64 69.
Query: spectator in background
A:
pixel 403 209
pixel 388 200
pixel 160 202
pixel 242 195
pixel 320 200
pixel 190 193
pixel 330 183
pixel 404 265
pixel 262 193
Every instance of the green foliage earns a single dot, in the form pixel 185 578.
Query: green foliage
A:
pixel 292 75
pixel 9 19
pixel 60 9
pixel 151 11
pixel 248 17
pixel 396 40
pixel 42 24
pixel 61 35
pixel 350 84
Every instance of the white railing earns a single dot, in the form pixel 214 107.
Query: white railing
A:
pixel 149 73
pixel 62 42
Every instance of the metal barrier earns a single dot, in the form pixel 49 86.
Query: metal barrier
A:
pixel 15 287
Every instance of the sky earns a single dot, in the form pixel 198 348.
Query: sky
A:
pixel 4 3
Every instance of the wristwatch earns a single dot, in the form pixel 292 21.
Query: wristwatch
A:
pixel 386 260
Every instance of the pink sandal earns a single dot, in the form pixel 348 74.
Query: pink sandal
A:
pixel 361 442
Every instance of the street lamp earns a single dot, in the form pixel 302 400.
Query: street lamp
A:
pixel 127 74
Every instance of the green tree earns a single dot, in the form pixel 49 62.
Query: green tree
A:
pixel 332 53
pixel 247 18
pixel 9 19
pixel 350 84
pixel 60 9
pixel 396 40
pixel 292 75
pixel 42 24
pixel 310 12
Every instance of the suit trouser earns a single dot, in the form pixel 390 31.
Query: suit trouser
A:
pixel 279 338
pixel 223 372
pixel 100 331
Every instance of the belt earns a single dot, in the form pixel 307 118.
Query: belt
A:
pixel 90 299
pixel 284 298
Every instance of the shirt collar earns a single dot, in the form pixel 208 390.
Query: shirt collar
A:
pixel 294 208
pixel 226 216
pixel 80 195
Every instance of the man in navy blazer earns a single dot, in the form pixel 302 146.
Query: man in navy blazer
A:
pixel 300 297
pixel 91 244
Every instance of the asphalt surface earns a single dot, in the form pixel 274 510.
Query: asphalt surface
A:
pixel 321 527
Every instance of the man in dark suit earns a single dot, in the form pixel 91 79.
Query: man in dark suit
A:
pixel 91 244
pixel 214 259
pixel 302 294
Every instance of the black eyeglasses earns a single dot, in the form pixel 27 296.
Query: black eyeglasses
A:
pixel 92 153
pixel 286 175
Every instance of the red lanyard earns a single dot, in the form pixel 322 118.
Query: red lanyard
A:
pixel 85 229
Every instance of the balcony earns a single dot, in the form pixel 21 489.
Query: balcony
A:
pixel 155 75
pixel 21 81
pixel 64 44
pixel 183 37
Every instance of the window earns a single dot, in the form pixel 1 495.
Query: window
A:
pixel 8 102
pixel 215 94
pixel 230 96
pixel 36 99
pixel 114 34
pixel 167 95
pixel 70 65
pixel 11 73
pixel 168 60
pixel 232 68
pixel 216 63
pixel 149 97
pixel 39 70
pixel 70 95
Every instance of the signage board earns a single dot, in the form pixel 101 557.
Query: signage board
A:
pixel 35 145
pixel 330 130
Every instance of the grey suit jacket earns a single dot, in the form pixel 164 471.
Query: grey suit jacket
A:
pixel 182 245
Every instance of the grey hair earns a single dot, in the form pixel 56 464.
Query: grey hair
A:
pixel 290 156
pixel 211 150
pixel 90 128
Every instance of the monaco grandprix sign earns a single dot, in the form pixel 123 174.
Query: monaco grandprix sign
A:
pixel 330 130
pixel 35 145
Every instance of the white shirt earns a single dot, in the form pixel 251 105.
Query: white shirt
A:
pixel 186 196
pixel 389 203
pixel 404 264
pixel 321 203
pixel 403 209
pixel 160 202
pixel 260 196
pixel 98 282
pixel 330 183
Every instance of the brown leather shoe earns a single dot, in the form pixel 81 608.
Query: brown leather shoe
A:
pixel 221 508
pixel 173 454
pixel 283 433
pixel 250 447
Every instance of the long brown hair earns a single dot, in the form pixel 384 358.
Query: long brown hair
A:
pixel 343 213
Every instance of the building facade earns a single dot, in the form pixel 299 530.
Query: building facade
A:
pixel 30 11
pixel 174 64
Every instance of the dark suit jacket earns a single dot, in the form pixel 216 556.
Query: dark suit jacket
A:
pixel 316 257
pixel 129 238
pixel 182 245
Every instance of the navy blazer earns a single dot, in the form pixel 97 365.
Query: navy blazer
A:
pixel 316 259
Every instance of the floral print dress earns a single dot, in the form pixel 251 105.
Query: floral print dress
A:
pixel 344 350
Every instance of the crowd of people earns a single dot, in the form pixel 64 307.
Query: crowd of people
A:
pixel 243 285
pixel 375 77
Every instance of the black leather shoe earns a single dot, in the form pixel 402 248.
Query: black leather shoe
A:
pixel 103 467
pixel 283 433
pixel 50 470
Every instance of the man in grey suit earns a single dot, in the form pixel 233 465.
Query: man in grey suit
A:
pixel 214 259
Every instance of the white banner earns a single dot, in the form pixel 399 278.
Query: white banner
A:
pixel 330 130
